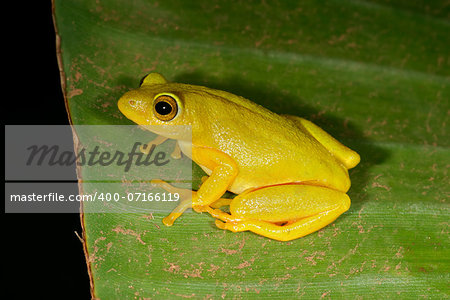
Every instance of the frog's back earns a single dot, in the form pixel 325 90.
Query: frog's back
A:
pixel 268 148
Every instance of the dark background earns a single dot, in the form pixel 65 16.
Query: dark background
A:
pixel 44 258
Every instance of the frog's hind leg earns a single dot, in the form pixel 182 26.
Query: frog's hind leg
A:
pixel 284 212
pixel 344 154
pixel 290 231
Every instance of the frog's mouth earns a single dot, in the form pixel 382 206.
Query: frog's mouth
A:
pixel 124 105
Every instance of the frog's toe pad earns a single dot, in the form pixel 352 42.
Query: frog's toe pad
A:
pixel 234 227
pixel 220 224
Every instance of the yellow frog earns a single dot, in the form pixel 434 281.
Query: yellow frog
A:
pixel 290 176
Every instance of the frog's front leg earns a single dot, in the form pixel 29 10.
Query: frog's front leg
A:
pixel 176 154
pixel 185 197
pixel 301 208
pixel 156 141
pixel 224 171
pixel 186 202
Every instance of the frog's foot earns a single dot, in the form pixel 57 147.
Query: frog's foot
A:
pixel 283 212
pixel 185 200
pixel 220 214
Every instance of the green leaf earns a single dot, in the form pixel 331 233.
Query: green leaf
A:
pixel 375 74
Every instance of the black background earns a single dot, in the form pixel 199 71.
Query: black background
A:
pixel 44 258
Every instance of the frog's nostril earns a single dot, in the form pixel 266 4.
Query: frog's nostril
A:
pixel 131 102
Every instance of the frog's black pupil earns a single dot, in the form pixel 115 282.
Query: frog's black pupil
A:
pixel 163 108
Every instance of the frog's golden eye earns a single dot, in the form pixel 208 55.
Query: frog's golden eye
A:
pixel 165 107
